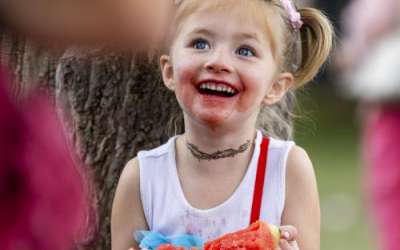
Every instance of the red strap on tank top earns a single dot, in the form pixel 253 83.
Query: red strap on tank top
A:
pixel 259 183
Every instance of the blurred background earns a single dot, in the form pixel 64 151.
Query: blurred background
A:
pixel 349 123
pixel 328 128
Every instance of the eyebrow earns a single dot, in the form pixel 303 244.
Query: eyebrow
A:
pixel 202 31
pixel 239 35
pixel 250 36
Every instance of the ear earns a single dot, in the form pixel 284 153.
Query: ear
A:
pixel 167 72
pixel 279 87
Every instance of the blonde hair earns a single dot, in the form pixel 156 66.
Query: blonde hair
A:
pixel 301 52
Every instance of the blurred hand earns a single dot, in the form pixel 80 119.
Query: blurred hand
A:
pixel 365 23
pixel 126 23
pixel 288 238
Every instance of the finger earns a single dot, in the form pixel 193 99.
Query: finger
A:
pixel 294 245
pixel 288 232
pixel 284 245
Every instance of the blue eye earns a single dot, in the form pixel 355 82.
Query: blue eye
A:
pixel 201 44
pixel 246 51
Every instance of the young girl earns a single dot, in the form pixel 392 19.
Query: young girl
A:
pixel 229 62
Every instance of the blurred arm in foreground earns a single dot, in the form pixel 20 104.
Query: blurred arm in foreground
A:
pixel 122 23
pixel 43 192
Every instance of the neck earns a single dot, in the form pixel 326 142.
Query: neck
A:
pixel 220 154
pixel 211 140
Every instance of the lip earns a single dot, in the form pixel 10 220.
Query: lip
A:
pixel 218 82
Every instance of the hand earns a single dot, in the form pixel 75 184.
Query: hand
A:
pixel 288 238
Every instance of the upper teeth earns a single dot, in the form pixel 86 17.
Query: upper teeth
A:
pixel 217 87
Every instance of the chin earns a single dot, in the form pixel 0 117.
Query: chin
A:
pixel 214 119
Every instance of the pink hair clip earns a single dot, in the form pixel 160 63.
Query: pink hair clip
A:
pixel 294 15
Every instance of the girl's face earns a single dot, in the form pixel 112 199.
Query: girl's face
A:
pixel 222 69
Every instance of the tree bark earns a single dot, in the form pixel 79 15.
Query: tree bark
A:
pixel 31 65
pixel 116 106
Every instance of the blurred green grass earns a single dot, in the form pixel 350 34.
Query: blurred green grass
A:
pixel 328 129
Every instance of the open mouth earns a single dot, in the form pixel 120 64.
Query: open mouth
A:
pixel 217 89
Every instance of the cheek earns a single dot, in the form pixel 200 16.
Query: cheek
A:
pixel 256 87
pixel 186 74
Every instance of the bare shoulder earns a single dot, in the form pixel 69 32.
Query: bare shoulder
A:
pixel 299 166
pixel 129 180
pixel 130 174
pixel 127 210
pixel 302 200
pixel 128 188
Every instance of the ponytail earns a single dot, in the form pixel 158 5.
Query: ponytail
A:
pixel 316 36
pixel 306 51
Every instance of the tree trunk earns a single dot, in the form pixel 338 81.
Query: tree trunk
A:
pixel 116 106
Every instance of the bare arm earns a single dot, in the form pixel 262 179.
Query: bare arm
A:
pixel 127 212
pixel 302 208
pixel 118 22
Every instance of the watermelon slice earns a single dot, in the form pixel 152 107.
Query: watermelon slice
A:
pixel 258 236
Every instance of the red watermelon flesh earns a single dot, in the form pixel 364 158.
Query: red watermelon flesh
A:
pixel 171 247
pixel 256 237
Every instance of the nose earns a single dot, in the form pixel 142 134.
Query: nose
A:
pixel 219 62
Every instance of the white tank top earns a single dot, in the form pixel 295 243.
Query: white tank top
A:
pixel 168 212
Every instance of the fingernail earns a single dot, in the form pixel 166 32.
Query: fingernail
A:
pixel 286 235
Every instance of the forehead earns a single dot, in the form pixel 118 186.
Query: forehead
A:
pixel 219 23
pixel 248 16
pixel 255 7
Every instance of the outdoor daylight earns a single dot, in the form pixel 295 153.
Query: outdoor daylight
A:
pixel 199 125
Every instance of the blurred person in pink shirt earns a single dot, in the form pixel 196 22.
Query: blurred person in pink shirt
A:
pixel 43 193
pixel 369 58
